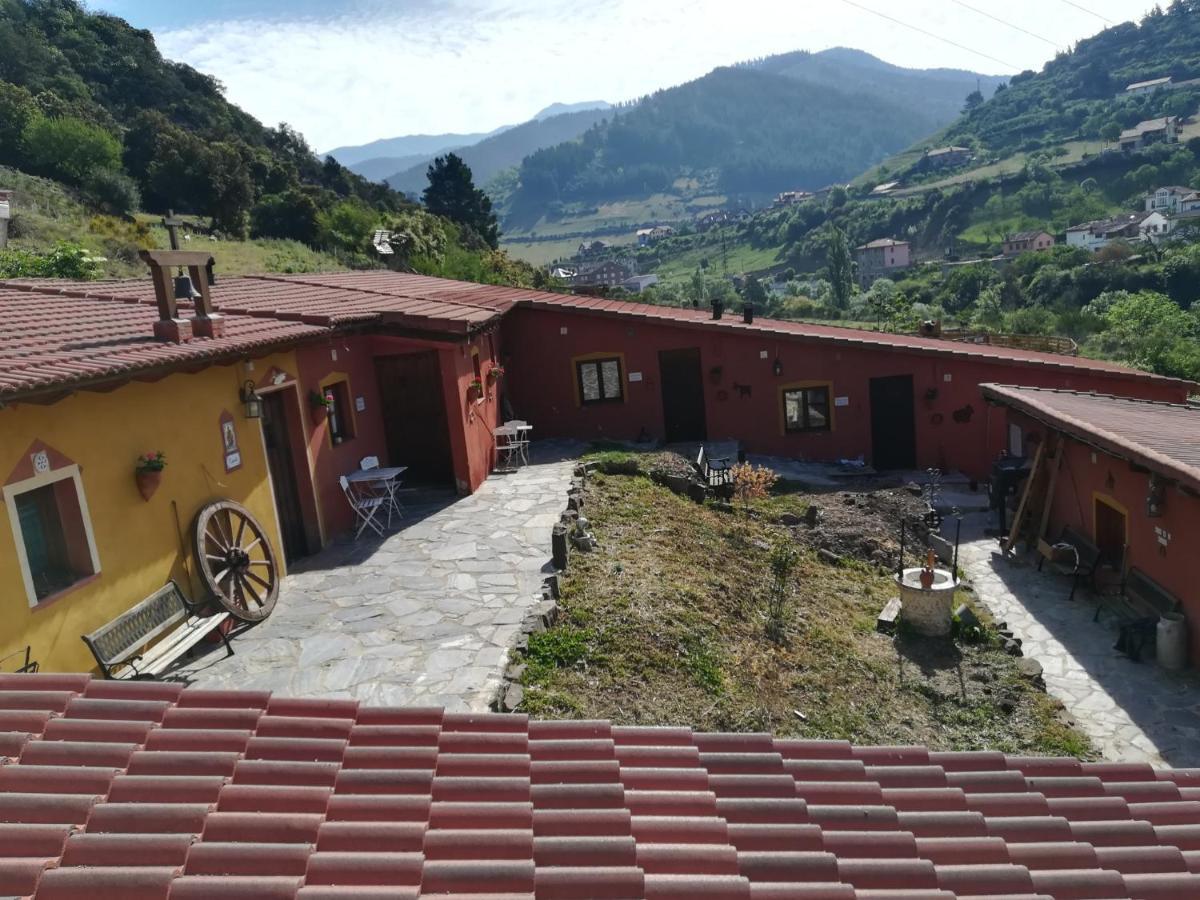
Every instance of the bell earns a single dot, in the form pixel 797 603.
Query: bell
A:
pixel 184 290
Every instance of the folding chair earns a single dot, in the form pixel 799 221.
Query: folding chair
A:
pixel 365 506
pixel 521 442
pixel 369 462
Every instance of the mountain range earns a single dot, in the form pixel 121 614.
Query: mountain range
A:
pixel 383 159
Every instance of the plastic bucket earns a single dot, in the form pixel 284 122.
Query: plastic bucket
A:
pixel 1171 641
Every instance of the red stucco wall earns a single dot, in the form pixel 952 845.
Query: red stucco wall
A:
pixel 1086 474
pixel 538 356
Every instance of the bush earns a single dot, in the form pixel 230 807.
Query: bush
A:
pixel 752 482
pixel 70 149
pixel 115 193
pixel 64 261
pixel 291 215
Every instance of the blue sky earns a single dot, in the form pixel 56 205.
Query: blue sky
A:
pixel 351 71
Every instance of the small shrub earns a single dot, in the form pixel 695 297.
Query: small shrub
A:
pixel 783 559
pixel 752 482
pixel 66 260
pixel 558 648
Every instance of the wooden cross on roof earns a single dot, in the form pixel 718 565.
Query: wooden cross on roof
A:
pixel 172 225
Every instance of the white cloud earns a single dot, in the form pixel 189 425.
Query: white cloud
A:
pixel 476 64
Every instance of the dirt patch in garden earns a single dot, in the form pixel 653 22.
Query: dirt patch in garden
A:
pixel 665 623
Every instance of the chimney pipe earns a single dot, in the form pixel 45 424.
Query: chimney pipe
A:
pixel 716 309
pixel 748 313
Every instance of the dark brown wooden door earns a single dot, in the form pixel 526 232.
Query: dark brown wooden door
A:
pixel 1110 534
pixel 414 416
pixel 893 423
pixel 281 462
pixel 682 394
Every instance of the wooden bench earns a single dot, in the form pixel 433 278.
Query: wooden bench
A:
pixel 716 473
pixel 165 619
pixel 1079 557
pixel 1138 608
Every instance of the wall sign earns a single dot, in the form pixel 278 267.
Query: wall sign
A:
pixel 229 442
pixel 841 401
pixel 635 376
pixel 360 404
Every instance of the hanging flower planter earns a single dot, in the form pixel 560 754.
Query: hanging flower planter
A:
pixel 319 401
pixel 148 473
pixel 475 390
pixel 495 374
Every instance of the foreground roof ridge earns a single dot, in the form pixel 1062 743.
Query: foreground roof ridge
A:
pixel 1099 395
pixel 156 790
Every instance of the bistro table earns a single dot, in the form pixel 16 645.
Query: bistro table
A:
pixel 384 482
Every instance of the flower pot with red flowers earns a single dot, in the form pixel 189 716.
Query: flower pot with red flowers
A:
pixel 320 402
pixel 475 390
pixel 495 375
pixel 148 472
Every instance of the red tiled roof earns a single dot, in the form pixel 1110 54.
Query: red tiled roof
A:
pixel 150 790
pixel 49 342
pixel 849 337
pixel 1164 437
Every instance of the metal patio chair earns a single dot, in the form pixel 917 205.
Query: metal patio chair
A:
pixel 366 507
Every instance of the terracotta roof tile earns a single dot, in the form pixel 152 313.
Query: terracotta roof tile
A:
pixel 1164 437
pixel 336 800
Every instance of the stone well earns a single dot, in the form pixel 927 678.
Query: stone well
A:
pixel 927 610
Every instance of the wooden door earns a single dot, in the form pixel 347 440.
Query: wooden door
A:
pixel 893 423
pixel 414 416
pixel 1110 533
pixel 682 395
pixel 281 461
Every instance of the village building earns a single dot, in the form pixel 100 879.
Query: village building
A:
pixel 1149 132
pixel 945 158
pixel 1149 86
pixel 1128 481
pixel 647 236
pixel 1169 199
pixel 791 198
pixel 638 283
pixel 1129 227
pixel 588 249
pixel 885 189
pixel 881 258
pixel 269 389
pixel 608 273
pixel 1027 241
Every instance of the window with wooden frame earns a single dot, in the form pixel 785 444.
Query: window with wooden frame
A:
pixel 599 380
pixel 55 545
pixel 806 409
pixel 338 414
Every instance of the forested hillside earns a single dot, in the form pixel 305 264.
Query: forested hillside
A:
pixel 799 121
pixel 89 101
pixel 1078 94
pixel 493 154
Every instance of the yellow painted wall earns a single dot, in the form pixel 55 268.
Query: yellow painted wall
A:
pixel 137 541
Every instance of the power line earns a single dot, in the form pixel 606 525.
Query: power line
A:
pixel 1008 24
pixel 936 37
pixel 1090 12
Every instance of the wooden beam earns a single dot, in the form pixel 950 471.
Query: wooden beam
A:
pixel 171 258
pixel 1029 483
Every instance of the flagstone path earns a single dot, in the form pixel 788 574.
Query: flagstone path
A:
pixel 425 616
pixel 1133 712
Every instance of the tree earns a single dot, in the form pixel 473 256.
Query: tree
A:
pixel 16 110
pixel 292 214
pixel 452 193
pixel 755 294
pixel 841 269
pixel 114 192
pixel 1111 132
pixel 974 99
pixel 70 149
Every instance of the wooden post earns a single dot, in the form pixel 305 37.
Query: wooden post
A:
pixel 1030 482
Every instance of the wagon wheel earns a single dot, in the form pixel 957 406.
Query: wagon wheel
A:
pixel 236 560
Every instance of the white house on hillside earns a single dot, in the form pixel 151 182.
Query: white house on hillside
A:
pixel 1168 199
pixel 1128 227
pixel 1147 87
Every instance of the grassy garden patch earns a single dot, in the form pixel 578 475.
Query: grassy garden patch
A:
pixel 666 622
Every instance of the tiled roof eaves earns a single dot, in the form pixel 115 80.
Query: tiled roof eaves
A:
pixel 846 337
pixel 1028 401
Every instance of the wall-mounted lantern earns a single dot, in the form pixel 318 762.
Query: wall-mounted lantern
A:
pixel 252 401
pixel 1156 497
pixel 777 368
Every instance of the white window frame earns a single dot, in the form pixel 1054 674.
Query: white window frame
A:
pixel 12 491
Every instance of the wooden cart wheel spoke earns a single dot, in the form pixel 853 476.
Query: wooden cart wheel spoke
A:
pixel 225 536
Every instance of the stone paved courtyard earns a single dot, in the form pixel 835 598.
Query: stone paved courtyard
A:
pixel 424 616
pixel 1131 711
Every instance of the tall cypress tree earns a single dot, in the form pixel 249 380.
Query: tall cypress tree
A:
pixel 841 268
